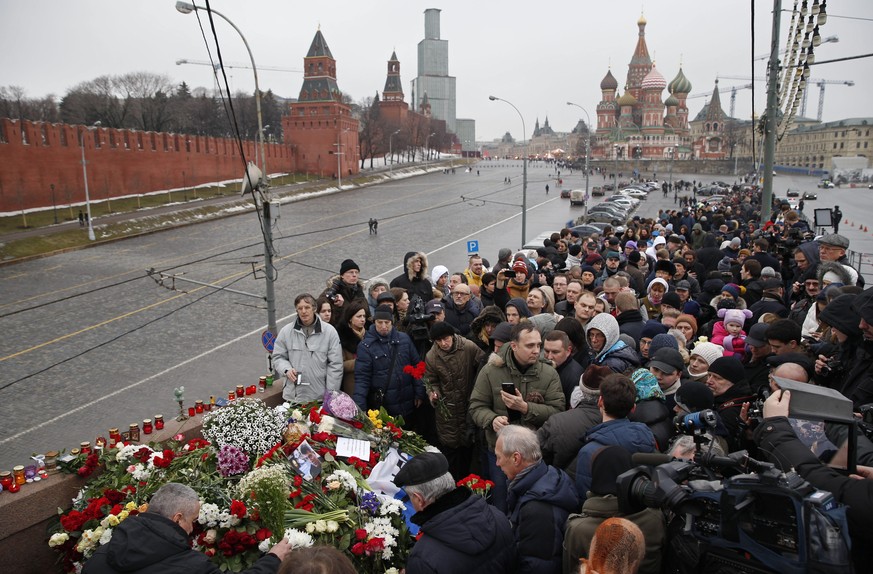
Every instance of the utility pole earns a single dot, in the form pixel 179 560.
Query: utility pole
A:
pixel 770 115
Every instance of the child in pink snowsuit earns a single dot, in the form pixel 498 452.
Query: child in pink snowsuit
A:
pixel 729 331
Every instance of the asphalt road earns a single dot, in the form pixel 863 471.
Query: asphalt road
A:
pixel 91 342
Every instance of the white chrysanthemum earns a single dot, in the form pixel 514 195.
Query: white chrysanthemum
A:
pixel 269 472
pixel 332 526
pixel 298 539
pixel 245 423
pixel 390 506
pixel 208 514
pixel 265 546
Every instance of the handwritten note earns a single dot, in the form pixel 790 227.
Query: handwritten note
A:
pixel 352 447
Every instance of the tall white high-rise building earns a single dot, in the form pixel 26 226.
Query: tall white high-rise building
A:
pixel 433 73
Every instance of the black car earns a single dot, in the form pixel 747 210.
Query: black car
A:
pixel 565 193
pixel 793 193
pixel 809 195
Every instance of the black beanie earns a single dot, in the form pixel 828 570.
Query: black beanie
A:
pixel 728 368
pixel 348 265
pixel 672 299
pixel 694 396
pixel 383 313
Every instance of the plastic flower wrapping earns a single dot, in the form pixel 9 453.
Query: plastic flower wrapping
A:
pixel 251 489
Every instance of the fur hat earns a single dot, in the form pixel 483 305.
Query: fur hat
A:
pixel 440 330
pixel 664 265
pixel 736 316
pixel 348 265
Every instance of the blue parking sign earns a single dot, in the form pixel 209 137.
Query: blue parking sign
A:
pixel 472 247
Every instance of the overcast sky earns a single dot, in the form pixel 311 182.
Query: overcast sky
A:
pixel 538 55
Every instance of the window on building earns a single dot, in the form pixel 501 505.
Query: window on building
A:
pixel 43 132
pixel 62 132
pixel 98 141
pixel 112 142
pixel 139 141
pixel 24 139
pixel 126 140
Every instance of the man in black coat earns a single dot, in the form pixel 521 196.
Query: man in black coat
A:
pixel 156 542
pixel 461 308
pixel 770 302
pixel 460 532
pixel 558 349
pixel 728 385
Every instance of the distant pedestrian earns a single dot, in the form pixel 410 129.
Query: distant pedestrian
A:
pixel 800 205
pixel 547 189
pixel 81 219
pixel 374 226
pixel 837 217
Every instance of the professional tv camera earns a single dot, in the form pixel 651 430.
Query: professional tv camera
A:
pixel 419 322
pixel 758 519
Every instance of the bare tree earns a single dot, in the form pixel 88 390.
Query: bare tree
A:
pixel 372 129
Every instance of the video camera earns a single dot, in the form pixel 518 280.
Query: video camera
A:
pixel 758 520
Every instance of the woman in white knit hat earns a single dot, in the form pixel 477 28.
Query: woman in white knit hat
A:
pixel 702 357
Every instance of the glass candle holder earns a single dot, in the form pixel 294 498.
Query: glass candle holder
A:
pixel 231 395
pixel 191 411
pixel 251 389
pixel 147 427
pixel 6 479
pixel 18 474
pixel 159 422
pixel 198 406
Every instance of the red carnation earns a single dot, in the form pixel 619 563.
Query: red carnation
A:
pixel 358 549
pixel 361 534
pixel 238 509
pixel 262 534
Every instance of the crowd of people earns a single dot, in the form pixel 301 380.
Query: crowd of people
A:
pixel 545 371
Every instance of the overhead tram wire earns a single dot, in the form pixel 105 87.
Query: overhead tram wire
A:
pixel 117 337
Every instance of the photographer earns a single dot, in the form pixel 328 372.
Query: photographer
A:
pixel 830 368
pixel 345 286
pixel 775 437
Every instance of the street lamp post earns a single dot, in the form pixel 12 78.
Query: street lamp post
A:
pixel 267 219
pixel 91 235
pixel 587 153
pixel 186 8
pixel 391 149
pixel 524 169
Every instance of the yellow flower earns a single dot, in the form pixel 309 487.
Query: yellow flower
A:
pixel 374 418
pixel 122 515
pixel 130 506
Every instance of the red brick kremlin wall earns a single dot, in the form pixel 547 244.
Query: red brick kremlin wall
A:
pixel 35 155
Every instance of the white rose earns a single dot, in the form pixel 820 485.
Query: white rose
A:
pixel 332 526
pixel 310 528
pixel 210 536
pixel 320 526
pixel 58 538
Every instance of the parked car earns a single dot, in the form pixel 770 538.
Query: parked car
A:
pixel 611 206
pixel 605 217
pixel 538 241
pixel 585 230
pixel 826 184
pixel 793 193
pixel 809 195
pixel 635 193
pixel 631 204
pixel 597 190
pixel 565 193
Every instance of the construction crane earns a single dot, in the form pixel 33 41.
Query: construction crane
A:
pixel 732 90
pixel 811 81
pixel 217 66
pixel 821 93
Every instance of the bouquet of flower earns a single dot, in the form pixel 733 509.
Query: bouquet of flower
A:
pixel 477 484
pixel 440 403
pixel 245 423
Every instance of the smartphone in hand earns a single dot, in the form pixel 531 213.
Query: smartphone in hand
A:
pixel 508 388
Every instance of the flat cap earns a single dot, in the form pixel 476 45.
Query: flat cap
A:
pixel 434 306
pixel 667 360
pixel 757 336
pixel 684 285
pixel 422 468
pixel 834 239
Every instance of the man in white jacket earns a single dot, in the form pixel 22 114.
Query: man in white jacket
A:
pixel 308 355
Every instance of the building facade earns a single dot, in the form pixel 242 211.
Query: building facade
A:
pixel 640 125
pixel 813 146
pixel 320 127
pixel 434 84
